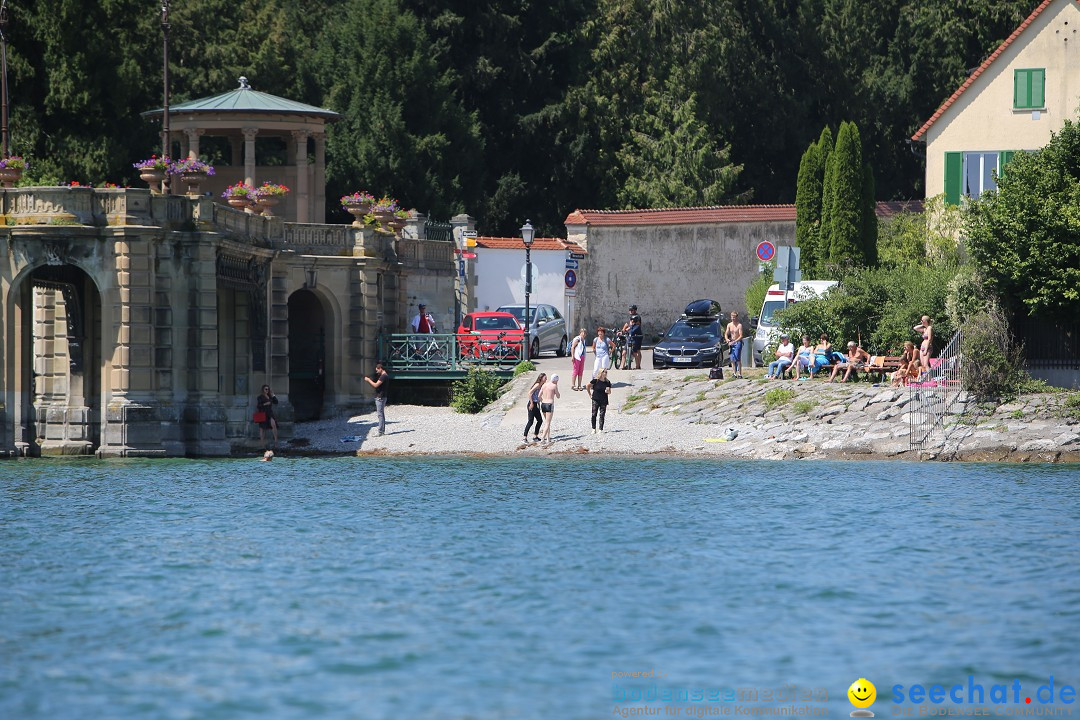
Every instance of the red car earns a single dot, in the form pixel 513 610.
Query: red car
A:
pixel 490 336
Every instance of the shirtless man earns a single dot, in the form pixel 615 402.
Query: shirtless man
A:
pixel 548 393
pixel 856 361
pixel 734 336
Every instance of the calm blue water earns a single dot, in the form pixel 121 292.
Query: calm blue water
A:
pixel 458 588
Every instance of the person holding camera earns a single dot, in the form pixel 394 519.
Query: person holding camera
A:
pixel 380 380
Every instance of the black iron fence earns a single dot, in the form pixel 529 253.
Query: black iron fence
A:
pixel 1049 344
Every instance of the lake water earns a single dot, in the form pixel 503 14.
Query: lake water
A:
pixel 459 588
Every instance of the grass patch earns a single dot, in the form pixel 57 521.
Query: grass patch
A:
pixel 804 406
pixel 1072 406
pixel 632 400
pixel 1001 428
pixel 777 397
pixel 1017 415
pixel 700 396
pixel 523 367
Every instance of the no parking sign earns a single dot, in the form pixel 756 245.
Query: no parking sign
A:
pixel 766 251
pixel 571 279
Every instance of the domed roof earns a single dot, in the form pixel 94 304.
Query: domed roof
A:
pixel 246 101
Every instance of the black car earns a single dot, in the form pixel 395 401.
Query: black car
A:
pixel 695 340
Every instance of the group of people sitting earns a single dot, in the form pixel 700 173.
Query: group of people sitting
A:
pixel 811 358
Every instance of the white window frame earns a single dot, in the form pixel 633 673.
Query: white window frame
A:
pixel 982 155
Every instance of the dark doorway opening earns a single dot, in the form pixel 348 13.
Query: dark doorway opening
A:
pixel 307 355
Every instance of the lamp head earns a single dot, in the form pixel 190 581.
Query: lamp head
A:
pixel 528 232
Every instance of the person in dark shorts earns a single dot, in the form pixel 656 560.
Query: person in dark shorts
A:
pixel 380 380
pixel 634 335
pixel 534 409
pixel 599 387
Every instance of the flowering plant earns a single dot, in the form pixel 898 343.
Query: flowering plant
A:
pixel 386 205
pixel 358 198
pixel 269 189
pixel 15 162
pixel 154 162
pixel 402 215
pixel 190 165
pixel 239 191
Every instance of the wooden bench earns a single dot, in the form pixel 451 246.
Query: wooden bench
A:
pixel 879 365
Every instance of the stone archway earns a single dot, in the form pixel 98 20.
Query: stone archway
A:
pixel 308 355
pixel 58 353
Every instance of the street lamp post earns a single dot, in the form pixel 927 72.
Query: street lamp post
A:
pixel 165 138
pixel 527 235
pixel 3 80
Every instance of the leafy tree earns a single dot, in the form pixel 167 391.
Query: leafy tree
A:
pixel 670 160
pixel 1025 237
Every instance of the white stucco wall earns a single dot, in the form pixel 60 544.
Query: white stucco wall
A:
pixel 983 118
pixel 499 273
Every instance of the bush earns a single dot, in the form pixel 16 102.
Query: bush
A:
pixel 476 391
pixel 878 306
pixel 523 367
pixel 755 294
pixel 992 359
pixel 965 296
pixel 777 397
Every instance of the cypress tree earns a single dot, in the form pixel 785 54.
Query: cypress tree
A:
pixel 825 147
pixel 808 206
pixel 844 190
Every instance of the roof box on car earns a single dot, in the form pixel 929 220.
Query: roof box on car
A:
pixel 702 308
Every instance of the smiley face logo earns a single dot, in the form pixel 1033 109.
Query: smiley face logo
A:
pixel 862 694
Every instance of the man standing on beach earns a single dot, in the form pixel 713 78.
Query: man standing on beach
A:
pixel 734 336
pixel 381 383
pixel 634 335
pixel 548 393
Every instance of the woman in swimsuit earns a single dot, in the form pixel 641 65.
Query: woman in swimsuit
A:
pixel 925 328
pixel 804 358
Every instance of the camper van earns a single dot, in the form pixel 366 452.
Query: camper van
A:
pixel 767 330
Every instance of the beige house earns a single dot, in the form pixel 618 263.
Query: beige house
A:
pixel 1013 101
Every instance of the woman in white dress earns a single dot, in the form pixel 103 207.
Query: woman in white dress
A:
pixel 602 349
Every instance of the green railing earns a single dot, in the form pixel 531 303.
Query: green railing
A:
pixel 445 356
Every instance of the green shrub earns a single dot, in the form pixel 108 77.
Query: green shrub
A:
pixel 803 407
pixel 777 397
pixel 755 294
pixel 523 367
pixel 965 296
pixel 473 393
pixel 992 360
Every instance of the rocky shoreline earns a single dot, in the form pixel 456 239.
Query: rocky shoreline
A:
pixel 683 413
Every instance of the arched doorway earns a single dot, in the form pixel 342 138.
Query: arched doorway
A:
pixel 307 355
pixel 58 318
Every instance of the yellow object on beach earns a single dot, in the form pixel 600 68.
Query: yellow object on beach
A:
pixel 716 439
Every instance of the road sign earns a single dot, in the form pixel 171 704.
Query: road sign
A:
pixel 570 278
pixel 468 233
pixel 787 271
pixel 461 268
pixel 571 293
pixel 766 251
pixel 469 255
pixel 572 264
pixel 577 256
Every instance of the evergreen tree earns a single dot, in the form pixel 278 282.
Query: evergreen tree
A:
pixel 808 203
pixel 670 160
pixel 844 187
pixel 824 239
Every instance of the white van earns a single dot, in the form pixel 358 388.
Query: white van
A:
pixel 767 331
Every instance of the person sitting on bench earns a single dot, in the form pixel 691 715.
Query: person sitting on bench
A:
pixel 856 361
pixel 785 354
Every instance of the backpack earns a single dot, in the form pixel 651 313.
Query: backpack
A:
pixel 716 373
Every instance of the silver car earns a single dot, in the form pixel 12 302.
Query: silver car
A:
pixel 547 329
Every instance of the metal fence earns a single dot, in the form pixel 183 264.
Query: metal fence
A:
pixel 935 396
pixel 1048 343
pixel 433 355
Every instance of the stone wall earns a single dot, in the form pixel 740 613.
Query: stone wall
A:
pixel 661 268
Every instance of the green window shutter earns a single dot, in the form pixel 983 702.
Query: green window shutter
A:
pixel 1021 89
pixel 1038 88
pixel 954 177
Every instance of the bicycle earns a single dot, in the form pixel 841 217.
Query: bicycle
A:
pixel 620 358
pixel 428 352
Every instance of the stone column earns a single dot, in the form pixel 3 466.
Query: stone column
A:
pixel 319 190
pixel 193 135
pixel 303 193
pixel 249 154
pixel 132 424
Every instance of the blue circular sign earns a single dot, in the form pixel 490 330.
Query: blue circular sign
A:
pixel 570 278
pixel 766 251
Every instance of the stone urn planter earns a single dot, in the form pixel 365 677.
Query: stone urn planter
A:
pixel 9 176
pixel 396 225
pixel 154 178
pixel 267 204
pixel 193 181
pixel 239 203
pixel 383 218
pixel 358 211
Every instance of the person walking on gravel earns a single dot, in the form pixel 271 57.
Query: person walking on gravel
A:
pixel 734 336
pixel 577 352
pixel 548 393
pixel 534 408
pixel 599 388
pixel 602 349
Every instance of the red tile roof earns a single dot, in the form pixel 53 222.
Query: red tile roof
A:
pixel 712 215
pixel 684 216
pixel 979 70
pixel 514 243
